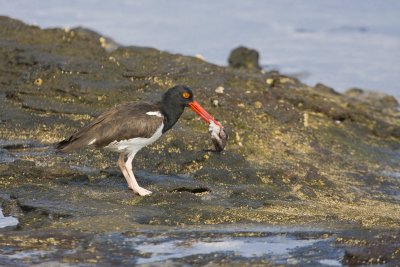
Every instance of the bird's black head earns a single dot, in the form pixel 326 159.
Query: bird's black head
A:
pixel 179 95
pixel 173 103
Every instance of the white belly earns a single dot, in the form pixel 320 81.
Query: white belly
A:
pixel 132 146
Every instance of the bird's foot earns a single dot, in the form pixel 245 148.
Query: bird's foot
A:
pixel 142 191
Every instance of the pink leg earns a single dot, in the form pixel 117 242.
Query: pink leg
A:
pixel 132 180
pixel 121 165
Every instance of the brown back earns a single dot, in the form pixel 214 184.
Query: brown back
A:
pixel 125 121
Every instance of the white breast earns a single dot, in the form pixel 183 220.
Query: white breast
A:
pixel 132 146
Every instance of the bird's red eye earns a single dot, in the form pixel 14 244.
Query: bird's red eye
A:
pixel 186 95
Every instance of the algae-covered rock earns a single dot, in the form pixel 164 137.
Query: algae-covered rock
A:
pixel 297 155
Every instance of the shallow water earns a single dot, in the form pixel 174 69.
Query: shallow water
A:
pixel 6 221
pixel 280 245
pixel 340 43
pixel 276 247
pixel 203 244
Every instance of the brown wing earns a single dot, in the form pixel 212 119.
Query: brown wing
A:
pixel 122 122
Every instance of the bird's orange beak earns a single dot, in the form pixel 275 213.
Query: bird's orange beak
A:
pixel 195 106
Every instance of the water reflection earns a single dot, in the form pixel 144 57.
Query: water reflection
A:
pixel 276 246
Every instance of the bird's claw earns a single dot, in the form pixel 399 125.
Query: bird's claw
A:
pixel 142 191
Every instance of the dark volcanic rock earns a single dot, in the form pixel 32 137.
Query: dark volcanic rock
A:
pixel 296 155
pixel 243 57
pixel 379 100
pixel 290 140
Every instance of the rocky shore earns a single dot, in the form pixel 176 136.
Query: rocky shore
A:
pixel 298 156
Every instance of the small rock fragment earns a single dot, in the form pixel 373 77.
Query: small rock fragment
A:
pixel 269 81
pixel 102 41
pixel 101 97
pixel 284 80
pixel 199 56
pixel 258 104
pixel 219 90
pixel 38 82
pixel 305 119
pixel 241 105
pixel 215 103
pixel 237 137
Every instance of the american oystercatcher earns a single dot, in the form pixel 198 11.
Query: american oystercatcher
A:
pixel 129 127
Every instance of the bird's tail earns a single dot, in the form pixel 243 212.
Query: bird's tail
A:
pixel 81 138
pixel 70 144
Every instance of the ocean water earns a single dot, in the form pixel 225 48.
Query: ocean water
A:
pixel 342 44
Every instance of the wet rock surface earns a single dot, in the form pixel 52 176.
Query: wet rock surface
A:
pixel 296 156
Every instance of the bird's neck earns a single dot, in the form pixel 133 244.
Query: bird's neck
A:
pixel 171 114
